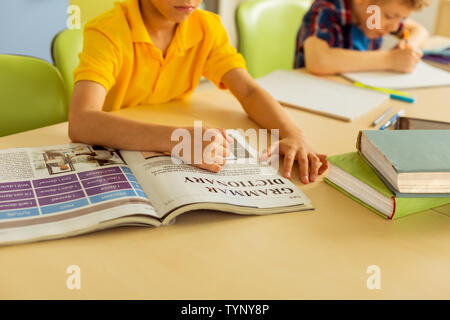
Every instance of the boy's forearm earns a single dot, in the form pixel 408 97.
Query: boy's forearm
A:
pixel 272 117
pixel 252 97
pixel 343 60
pixel 103 128
pixel 321 59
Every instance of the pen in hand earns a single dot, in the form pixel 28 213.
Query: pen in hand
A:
pixel 405 38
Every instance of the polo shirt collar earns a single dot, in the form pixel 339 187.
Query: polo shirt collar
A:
pixel 187 35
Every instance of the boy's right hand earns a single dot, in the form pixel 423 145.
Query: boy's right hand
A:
pixel 211 151
pixel 404 60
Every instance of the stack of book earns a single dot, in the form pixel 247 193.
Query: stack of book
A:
pixel 439 57
pixel 395 173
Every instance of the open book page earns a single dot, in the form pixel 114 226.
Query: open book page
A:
pixel 241 182
pixel 60 189
pixel 423 76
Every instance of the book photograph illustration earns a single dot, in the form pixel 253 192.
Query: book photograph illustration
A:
pixel 82 157
pixel 61 191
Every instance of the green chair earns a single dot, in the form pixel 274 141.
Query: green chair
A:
pixel 92 8
pixel 32 94
pixel 66 46
pixel 267 33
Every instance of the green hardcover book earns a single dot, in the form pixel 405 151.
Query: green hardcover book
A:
pixel 410 161
pixel 350 174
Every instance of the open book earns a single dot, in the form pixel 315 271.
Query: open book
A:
pixel 60 191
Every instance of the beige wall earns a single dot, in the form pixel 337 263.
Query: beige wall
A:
pixel 443 19
pixel 427 16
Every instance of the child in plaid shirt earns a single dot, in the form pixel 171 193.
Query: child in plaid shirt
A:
pixel 340 36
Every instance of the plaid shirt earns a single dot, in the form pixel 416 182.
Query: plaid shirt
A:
pixel 331 20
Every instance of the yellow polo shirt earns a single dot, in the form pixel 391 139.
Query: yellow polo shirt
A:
pixel 119 54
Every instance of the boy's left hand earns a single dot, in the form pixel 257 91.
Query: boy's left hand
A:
pixel 295 147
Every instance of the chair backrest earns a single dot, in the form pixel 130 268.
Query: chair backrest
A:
pixel 65 49
pixel 32 94
pixel 90 9
pixel 267 33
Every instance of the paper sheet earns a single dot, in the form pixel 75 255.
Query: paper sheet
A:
pixel 305 91
pixel 423 76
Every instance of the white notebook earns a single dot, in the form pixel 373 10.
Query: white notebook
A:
pixel 423 76
pixel 311 93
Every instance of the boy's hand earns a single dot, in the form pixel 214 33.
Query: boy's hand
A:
pixel 213 152
pixel 404 60
pixel 295 147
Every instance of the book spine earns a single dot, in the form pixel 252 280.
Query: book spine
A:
pixel 358 141
pixel 394 208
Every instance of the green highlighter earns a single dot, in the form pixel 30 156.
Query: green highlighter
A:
pixel 394 94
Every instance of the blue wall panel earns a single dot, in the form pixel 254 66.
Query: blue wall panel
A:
pixel 27 26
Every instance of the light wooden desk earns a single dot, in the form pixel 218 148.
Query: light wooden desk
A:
pixel 319 254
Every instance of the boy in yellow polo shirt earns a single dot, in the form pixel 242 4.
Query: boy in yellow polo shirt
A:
pixel 154 51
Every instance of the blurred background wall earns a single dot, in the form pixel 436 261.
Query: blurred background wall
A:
pixel 27 26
